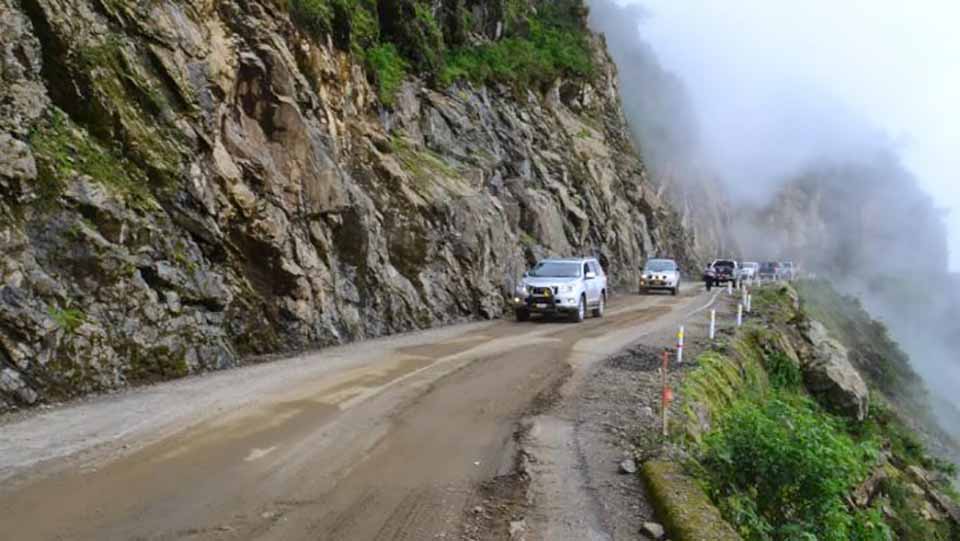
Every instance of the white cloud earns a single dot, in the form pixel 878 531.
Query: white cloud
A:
pixel 891 62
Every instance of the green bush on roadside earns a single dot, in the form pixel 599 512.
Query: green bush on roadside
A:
pixel 780 468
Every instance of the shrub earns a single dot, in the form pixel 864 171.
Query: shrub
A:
pixel 537 49
pixel 783 372
pixel 780 470
pixel 364 29
pixel 548 52
pixel 68 319
pixel 388 68
pixel 313 16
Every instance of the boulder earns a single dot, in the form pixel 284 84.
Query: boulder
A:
pixel 831 377
pixel 13 384
pixel 654 530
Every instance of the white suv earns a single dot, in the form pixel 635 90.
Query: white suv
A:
pixel 562 286
pixel 660 274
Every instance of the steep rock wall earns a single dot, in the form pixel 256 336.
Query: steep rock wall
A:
pixel 185 185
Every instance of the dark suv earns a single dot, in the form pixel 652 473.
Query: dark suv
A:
pixel 721 271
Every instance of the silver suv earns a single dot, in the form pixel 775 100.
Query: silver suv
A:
pixel 562 286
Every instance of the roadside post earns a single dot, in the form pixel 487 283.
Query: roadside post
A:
pixel 750 304
pixel 740 315
pixel 680 346
pixel 667 395
pixel 729 288
pixel 713 324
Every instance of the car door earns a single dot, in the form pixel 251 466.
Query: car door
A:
pixel 598 282
pixel 589 285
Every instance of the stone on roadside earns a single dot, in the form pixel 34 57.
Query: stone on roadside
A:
pixel 654 530
pixel 831 376
pixel 517 529
pixel 628 466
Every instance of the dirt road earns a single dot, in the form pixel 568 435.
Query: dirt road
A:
pixel 388 439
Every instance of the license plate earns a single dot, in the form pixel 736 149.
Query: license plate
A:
pixel 541 305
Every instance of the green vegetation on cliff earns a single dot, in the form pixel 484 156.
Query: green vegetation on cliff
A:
pixel 515 42
pixel 781 466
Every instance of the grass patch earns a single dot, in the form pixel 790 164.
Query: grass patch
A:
pixel 68 319
pixel 549 51
pixel 425 166
pixel 314 17
pixel 63 149
pixel 537 46
pixel 783 372
pixel 389 70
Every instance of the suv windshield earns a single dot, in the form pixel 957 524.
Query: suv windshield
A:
pixel 556 269
pixel 660 265
pixel 724 265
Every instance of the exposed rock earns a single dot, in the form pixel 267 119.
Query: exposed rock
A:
pixel 864 494
pixel 185 186
pixel 654 530
pixel 830 375
pixel 11 383
pixel 628 466
pixel 683 506
pixel 518 530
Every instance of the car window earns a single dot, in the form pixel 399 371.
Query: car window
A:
pixel 595 267
pixel 660 265
pixel 556 269
pixel 586 269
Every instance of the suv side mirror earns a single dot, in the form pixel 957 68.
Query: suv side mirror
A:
pixel 526 274
pixel 590 275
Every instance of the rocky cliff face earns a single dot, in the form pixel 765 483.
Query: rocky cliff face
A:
pixel 185 185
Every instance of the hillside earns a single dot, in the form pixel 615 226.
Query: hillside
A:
pixel 806 423
pixel 187 185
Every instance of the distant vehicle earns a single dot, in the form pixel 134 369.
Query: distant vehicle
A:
pixel 770 270
pixel 788 271
pixel 562 286
pixel 721 272
pixel 660 274
pixel 749 270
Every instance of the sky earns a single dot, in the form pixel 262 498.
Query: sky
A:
pixel 790 73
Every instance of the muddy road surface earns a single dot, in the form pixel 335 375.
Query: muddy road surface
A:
pixel 386 439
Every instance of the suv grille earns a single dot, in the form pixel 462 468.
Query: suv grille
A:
pixel 544 291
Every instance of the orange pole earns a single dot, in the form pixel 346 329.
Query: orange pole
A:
pixel 663 394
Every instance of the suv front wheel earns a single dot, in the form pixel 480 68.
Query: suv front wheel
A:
pixel 581 312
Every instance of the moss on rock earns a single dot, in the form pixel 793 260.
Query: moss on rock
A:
pixel 682 505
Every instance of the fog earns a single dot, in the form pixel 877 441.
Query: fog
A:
pixel 832 130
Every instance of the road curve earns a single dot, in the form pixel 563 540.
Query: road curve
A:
pixel 386 439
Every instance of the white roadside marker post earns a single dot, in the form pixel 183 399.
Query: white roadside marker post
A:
pixel 729 288
pixel 739 315
pixel 666 393
pixel 680 346
pixel 749 304
pixel 713 324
